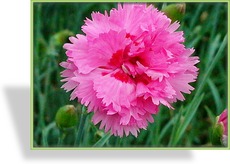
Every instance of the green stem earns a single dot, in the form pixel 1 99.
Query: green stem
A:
pixel 45 133
pixel 61 138
pixel 80 127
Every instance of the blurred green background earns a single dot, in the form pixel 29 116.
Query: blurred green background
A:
pixel 189 125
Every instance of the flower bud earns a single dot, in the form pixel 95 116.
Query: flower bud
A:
pixel 66 117
pixel 61 37
pixel 220 130
pixel 175 11
pixel 223 119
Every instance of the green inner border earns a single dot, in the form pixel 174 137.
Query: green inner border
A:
pixel 122 148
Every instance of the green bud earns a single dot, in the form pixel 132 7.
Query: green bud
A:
pixel 66 117
pixel 61 37
pixel 57 40
pixel 217 133
pixel 175 11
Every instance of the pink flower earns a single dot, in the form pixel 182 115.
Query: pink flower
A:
pixel 220 130
pixel 223 119
pixel 128 63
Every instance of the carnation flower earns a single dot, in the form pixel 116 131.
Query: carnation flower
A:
pixel 126 64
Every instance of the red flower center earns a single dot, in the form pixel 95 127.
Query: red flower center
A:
pixel 118 61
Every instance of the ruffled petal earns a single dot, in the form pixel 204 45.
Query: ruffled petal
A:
pixel 116 92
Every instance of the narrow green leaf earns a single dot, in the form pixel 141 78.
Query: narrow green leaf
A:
pixel 191 110
pixel 211 115
pixel 176 125
pixel 156 130
pixel 102 141
pixel 215 19
pixel 216 95
pixel 195 41
pixel 45 133
pixel 167 126
pixel 80 127
pixel 196 16
pixel 213 46
pixel 211 66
